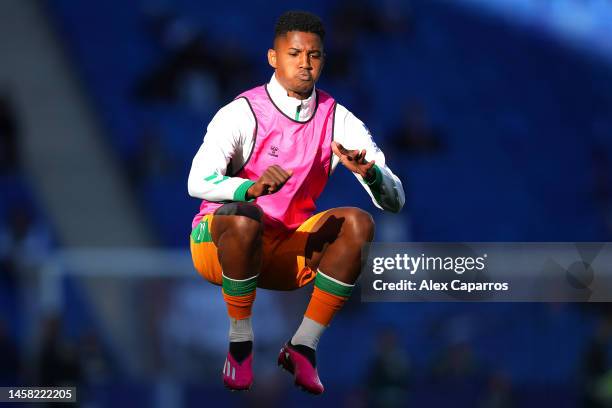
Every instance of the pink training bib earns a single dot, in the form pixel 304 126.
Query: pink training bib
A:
pixel 304 147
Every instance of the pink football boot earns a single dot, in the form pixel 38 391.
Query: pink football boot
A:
pixel 306 376
pixel 238 376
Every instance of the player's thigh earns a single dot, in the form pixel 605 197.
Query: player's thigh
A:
pixel 284 264
pixel 327 228
pixel 204 251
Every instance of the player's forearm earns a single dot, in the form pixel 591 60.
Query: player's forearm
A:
pixel 217 187
pixel 386 189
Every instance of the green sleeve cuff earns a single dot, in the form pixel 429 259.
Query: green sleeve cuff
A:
pixel 375 184
pixel 240 193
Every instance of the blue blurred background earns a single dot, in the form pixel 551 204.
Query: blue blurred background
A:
pixel 496 114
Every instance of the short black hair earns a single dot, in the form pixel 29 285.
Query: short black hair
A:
pixel 297 20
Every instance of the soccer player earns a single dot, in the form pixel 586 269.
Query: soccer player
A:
pixel 264 161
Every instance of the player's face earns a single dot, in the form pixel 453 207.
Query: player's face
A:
pixel 297 58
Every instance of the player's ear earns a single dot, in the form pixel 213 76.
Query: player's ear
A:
pixel 272 58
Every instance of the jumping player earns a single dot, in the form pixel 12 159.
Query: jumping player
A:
pixel 265 159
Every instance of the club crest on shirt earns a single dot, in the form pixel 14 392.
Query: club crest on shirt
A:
pixel 273 151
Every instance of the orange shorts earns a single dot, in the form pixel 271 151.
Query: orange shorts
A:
pixel 283 264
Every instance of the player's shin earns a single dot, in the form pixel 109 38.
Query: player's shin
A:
pixel 328 296
pixel 239 296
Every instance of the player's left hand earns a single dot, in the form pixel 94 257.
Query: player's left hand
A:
pixel 354 160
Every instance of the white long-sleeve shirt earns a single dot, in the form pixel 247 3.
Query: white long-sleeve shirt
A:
pixel 230 138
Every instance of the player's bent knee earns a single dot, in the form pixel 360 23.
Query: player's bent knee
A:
pixel 242 223
pixel 245 228
pixel 360 223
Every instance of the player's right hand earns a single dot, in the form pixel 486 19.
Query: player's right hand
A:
pixel 272 179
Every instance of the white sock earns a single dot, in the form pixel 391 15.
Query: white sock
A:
pixel 240 330
pixel 308 334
